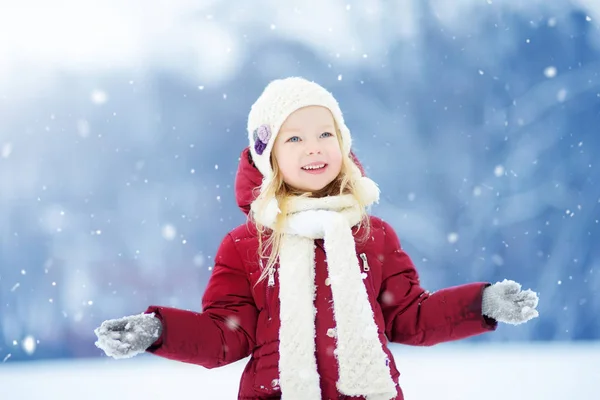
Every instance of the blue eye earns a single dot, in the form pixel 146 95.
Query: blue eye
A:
pixel 326 134
pixel 293 139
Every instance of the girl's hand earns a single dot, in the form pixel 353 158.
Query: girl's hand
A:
pixel 506 302
pixel 128 336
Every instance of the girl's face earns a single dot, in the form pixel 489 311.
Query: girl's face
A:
pixel 307 150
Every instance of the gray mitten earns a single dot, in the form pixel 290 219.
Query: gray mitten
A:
pixel 506 302
pixel 128 336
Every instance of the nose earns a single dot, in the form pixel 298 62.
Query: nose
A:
pixel 312 147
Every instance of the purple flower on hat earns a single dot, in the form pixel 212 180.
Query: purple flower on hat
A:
pixel 261 136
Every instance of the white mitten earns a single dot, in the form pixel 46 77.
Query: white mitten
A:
pixel 506 302
pixel 128 336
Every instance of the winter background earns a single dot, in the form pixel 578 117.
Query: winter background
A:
pixel 121 123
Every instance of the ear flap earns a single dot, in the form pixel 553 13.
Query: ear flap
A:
pixel 366 188
pixel 357 163
pixel 265 211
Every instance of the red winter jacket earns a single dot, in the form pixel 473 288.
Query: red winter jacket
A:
pixel 240 318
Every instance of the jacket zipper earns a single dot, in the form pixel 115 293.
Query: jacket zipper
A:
pixel 366 267
pixel 270 285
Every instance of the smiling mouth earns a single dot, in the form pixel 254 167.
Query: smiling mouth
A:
pixel 314 167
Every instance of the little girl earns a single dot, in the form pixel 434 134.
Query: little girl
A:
pixel 312 287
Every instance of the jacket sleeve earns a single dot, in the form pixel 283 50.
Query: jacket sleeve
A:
pixel 416 317
pixel 224 332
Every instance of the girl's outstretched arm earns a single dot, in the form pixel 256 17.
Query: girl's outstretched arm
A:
pixel 417 317
pixel 224 332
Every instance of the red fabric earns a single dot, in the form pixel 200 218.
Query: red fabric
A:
pixel 240 318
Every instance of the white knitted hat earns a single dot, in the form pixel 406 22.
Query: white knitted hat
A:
pixel 279 99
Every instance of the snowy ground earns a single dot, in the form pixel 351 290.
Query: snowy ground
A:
pixel 450 372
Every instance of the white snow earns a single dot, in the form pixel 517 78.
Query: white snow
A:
pixel 452 237
pixel 114 34
pixel 550 72
pixel 561 95
pixel 449 372
pixel 99 97
pixel 499 170
pixel 6 150
pixel 29 344
pixel 169 232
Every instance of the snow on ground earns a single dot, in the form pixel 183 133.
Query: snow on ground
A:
pixel 449 372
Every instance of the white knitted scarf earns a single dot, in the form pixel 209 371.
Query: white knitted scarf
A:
pixel 363 370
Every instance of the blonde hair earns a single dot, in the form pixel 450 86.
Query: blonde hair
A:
pixel 343 184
